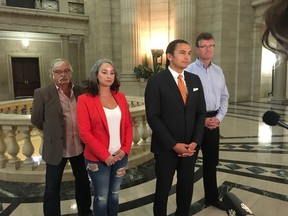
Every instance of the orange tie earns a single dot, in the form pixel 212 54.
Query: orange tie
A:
pixel 182 88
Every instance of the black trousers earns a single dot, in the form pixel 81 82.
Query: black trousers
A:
pixel 165 166
pixel 210 151
pixel 53 184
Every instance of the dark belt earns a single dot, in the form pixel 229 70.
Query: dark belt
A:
pixel 211 113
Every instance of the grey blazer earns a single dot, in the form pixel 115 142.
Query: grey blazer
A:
pixel 47 116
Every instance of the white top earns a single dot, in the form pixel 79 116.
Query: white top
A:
pixel 114 118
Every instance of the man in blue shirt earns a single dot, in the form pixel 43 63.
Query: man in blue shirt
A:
pixel 216 98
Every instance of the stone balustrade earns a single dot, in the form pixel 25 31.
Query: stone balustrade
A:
pixel 21 142
pixel 16 107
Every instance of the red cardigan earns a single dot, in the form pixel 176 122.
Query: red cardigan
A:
pixel 93 126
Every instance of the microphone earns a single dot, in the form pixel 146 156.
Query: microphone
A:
pixel 234 206
pixel 272 118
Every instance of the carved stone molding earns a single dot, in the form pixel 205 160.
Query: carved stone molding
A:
pixel 31 36
pixel 41 13
pixel 31 20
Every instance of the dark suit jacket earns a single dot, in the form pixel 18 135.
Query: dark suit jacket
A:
pixel 47 116
pixel 170 120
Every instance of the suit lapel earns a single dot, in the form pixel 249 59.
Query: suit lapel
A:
pixel 55 97
pixel 77 91
pixel 174 88
pixel 189 85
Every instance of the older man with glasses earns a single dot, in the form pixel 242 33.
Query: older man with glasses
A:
pixel 53 112
pixel 216 98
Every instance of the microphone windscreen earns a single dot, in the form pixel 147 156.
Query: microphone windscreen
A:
pixel 271 118
pixel 234 206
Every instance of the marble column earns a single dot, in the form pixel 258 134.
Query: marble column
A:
pixel 3 2
pixel 130 38
pixel 185 27
pixel 102 24
pixel 63 6
pixel 65 46
pixel 280 81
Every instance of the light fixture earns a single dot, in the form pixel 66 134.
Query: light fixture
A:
pixel 157 53
pixel 25 43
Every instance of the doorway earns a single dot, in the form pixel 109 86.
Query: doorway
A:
pixel 26 77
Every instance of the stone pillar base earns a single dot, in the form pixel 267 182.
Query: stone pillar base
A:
pixel 3 164
pixel 13 166
pixel 28 167
pixel 278 101
pixel 41 167
pixel 128 78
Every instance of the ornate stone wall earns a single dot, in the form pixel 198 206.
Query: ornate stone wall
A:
pixel 126 31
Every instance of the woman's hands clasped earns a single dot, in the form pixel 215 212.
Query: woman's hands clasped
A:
pixel 117 156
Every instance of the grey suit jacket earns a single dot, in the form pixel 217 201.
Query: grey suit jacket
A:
pixel 47 116
pixel 170 120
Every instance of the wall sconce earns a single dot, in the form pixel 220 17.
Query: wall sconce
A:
pixel 156 53
pixel 25 43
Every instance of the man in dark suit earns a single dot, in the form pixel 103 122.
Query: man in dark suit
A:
pixel 177 124
pixel 53 112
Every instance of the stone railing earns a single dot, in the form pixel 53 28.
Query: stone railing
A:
pixel 21 142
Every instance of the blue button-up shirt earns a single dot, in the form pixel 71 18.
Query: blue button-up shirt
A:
pixel 214 85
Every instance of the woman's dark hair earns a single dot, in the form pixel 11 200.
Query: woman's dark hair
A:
pixel 171 48
pixel 91 85
pixel 276 20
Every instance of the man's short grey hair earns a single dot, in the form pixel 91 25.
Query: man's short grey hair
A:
pixel 57 63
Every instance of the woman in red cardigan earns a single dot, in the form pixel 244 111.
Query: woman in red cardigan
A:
pixel 105 128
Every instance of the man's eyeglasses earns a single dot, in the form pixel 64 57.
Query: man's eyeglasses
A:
pixel 207 46
pixel 65 71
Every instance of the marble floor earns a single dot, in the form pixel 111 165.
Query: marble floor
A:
pixel 253 166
